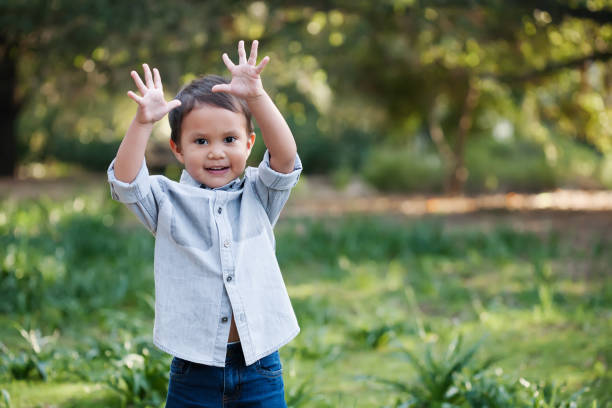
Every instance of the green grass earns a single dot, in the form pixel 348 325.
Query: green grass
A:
pixel 73 395
pixel 77 276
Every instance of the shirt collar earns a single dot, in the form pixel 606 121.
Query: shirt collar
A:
pixel 187 179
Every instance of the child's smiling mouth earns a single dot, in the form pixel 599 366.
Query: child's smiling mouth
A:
pixel 217 169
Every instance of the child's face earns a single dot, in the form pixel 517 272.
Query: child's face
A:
pixel 214 145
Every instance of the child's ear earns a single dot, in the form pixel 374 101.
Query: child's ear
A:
pixel 176 149
pixel 250 142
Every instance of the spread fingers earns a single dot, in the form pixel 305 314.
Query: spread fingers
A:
pixel 148 76
pixel 241 53
pixel 139 84
pixel 253 56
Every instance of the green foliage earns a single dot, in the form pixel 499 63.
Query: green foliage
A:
pixel 453 379
pixel 93 155
pixel 303 395
pixel 519 165
pixel 380 336
pixel 341 178
pixel 435 375
pixel 6 399
pixel 402 170
pixel 32 362
pixel 347 75
pixel 53 256
pixel 523 165
pixel 22 366
pixel 140 376
pixel 516 166
pixel 492 390
pixel 375 239
pixel 362 287
pixel 327 152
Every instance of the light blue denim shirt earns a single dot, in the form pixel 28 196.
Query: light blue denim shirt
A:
pixel 214 256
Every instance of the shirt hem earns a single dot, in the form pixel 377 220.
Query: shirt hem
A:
pixel 158 344
pixel 272 349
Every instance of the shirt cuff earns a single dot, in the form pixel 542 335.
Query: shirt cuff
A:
pixel 129 192
pixel 279 181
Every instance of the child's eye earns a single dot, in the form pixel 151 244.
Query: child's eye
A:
pixel 201 141
pixel 230 139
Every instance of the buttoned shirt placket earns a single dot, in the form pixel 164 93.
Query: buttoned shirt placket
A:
pixel 230 299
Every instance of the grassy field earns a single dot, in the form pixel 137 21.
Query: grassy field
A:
pixel 394 311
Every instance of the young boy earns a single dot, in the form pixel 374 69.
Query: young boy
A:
pixel 221 306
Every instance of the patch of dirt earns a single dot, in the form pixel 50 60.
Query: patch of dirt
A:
pixel 57 188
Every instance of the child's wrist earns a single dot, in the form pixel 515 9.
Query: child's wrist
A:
pixel 136 122
pixel 255 97
pixel 143 123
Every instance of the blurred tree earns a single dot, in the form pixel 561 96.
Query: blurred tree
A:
pixel 61 53
pixel 343 72
pixel 428 65
pixel 39 39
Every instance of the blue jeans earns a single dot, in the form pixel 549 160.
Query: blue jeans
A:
pixel 235 385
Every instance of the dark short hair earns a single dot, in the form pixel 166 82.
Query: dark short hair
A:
pixel 199 92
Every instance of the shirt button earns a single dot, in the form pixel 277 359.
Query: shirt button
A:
pixel 229 279
pixel 219 210
pixel 224 319
pixel 226 244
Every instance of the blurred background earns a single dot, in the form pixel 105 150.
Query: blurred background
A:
pixel 455 197
pixel 406 95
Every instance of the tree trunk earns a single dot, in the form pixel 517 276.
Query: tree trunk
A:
pixel 608 83
pixel 459 174
pixel 8 110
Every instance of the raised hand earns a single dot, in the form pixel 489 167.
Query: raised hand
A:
pixel 246 82
pixel 151 105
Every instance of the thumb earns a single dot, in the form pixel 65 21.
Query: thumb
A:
pixel 175 103
pixel 222 88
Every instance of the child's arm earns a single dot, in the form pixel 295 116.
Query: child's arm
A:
pixel 151 107
pixel 246 84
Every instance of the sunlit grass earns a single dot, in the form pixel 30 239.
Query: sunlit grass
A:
pixel 364 289
pixel 69 395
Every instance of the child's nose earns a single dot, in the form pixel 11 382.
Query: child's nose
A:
pixel 215 153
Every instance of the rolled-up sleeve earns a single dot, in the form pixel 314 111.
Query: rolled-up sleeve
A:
pixel 273 188
pixel 129 192
pixel 279 181
pixel 138 195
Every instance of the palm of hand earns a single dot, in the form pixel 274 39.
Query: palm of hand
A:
pixel 153 107
pixel 246 82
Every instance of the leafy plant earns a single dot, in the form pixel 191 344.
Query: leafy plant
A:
pixel 435 375
pixel 140 376
pixel 378 335
pixel 33 361
pixel 490 389
pixel 6 399
pixel 454 380
pixel 301 396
